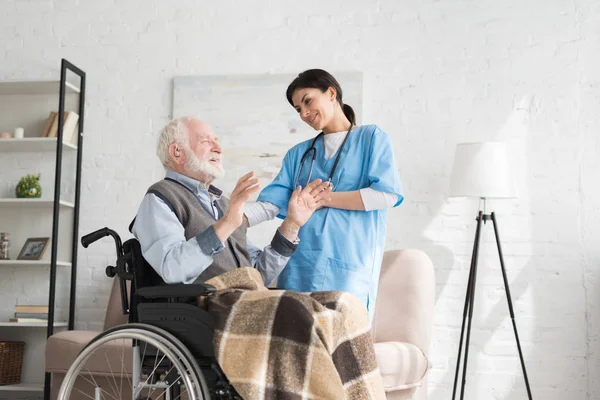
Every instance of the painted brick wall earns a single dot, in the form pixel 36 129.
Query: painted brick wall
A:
pixel 436 73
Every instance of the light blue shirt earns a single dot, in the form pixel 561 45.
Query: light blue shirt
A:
pixel 177 260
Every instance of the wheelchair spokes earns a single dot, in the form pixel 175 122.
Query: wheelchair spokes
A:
pixel 151 366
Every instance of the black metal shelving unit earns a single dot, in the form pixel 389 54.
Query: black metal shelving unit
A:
pixel 65 67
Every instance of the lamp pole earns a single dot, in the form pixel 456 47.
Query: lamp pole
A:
pixel 470 302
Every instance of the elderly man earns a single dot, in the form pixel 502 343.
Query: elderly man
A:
pixel 188 231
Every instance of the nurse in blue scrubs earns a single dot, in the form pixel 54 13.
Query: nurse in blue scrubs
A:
pixel 341 246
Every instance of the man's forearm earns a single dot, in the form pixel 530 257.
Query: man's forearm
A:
pixel 273 258
pixel 224 229
pixel 289 230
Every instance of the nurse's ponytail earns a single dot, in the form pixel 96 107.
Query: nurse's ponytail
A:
pixel 349 113
pixel 322 80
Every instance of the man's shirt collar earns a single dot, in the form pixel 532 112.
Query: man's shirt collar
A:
pixel 194 185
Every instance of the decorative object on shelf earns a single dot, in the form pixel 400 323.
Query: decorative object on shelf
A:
pixel 33 249
pixel 4 242
pixel 29 187
pixel 19 133
pixel 5 135
pixel 11 362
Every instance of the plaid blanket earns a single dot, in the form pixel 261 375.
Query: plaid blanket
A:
pixel 279 344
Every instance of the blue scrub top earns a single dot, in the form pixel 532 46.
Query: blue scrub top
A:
pixel 339 249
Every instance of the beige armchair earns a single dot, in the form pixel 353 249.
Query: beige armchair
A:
pixel 403 323
pixel 401 328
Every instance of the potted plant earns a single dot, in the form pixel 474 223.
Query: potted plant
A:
pixel 29 187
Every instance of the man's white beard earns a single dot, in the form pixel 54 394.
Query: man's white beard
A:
pixel 203 170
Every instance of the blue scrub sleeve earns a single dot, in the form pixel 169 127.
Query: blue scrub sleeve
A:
pixel 382 172
pixel 280 190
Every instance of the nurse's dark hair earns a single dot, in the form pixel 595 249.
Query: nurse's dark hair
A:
pixel 322 80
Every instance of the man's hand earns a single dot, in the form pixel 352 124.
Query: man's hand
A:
pixel 233 218
pixel 304 202
pixel 302 205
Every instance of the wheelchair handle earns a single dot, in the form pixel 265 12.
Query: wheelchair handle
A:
pixel 111 271
pixel 99 234
pixel 120 269
pixel 94 236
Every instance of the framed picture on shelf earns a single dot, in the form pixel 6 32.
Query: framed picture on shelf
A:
pixel 33 249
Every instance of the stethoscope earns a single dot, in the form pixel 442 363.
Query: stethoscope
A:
pixel 313 151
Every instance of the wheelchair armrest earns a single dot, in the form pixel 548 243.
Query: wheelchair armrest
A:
pixel 177 290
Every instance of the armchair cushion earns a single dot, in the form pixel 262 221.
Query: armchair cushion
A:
pixel 402 365
pixel 62 348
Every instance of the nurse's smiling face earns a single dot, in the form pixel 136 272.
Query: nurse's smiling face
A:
pixel 315 107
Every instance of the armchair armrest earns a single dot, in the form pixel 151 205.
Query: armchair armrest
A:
pixel 177 290
pixel 406 299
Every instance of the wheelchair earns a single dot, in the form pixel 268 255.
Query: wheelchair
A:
pixel 166 348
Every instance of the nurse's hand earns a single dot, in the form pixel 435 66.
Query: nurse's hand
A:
pixel 305 201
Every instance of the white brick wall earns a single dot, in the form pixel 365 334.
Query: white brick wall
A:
pixel 436 73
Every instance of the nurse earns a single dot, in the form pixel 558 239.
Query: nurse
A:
pixel 341 246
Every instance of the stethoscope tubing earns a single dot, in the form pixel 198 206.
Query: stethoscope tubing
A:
pixel 314 154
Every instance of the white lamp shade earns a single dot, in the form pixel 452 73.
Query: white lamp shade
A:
pixel 482 170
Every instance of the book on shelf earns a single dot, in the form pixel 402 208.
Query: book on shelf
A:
pixel 28 320
pixel 70 126
pixel 31 309
pixel 49 123
pixel 31 315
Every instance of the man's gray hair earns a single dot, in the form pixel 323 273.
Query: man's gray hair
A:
pixel 176 132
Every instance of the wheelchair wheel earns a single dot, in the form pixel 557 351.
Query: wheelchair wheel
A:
pixel 134 361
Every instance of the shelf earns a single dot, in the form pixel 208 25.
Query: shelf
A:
pixel 32 263
pixel 32 203
pixel 30 324
pixel 34 87
pixel 23 387
pixel 28 103
pixel 32 145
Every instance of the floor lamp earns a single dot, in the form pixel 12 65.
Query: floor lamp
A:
pixel 482 170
